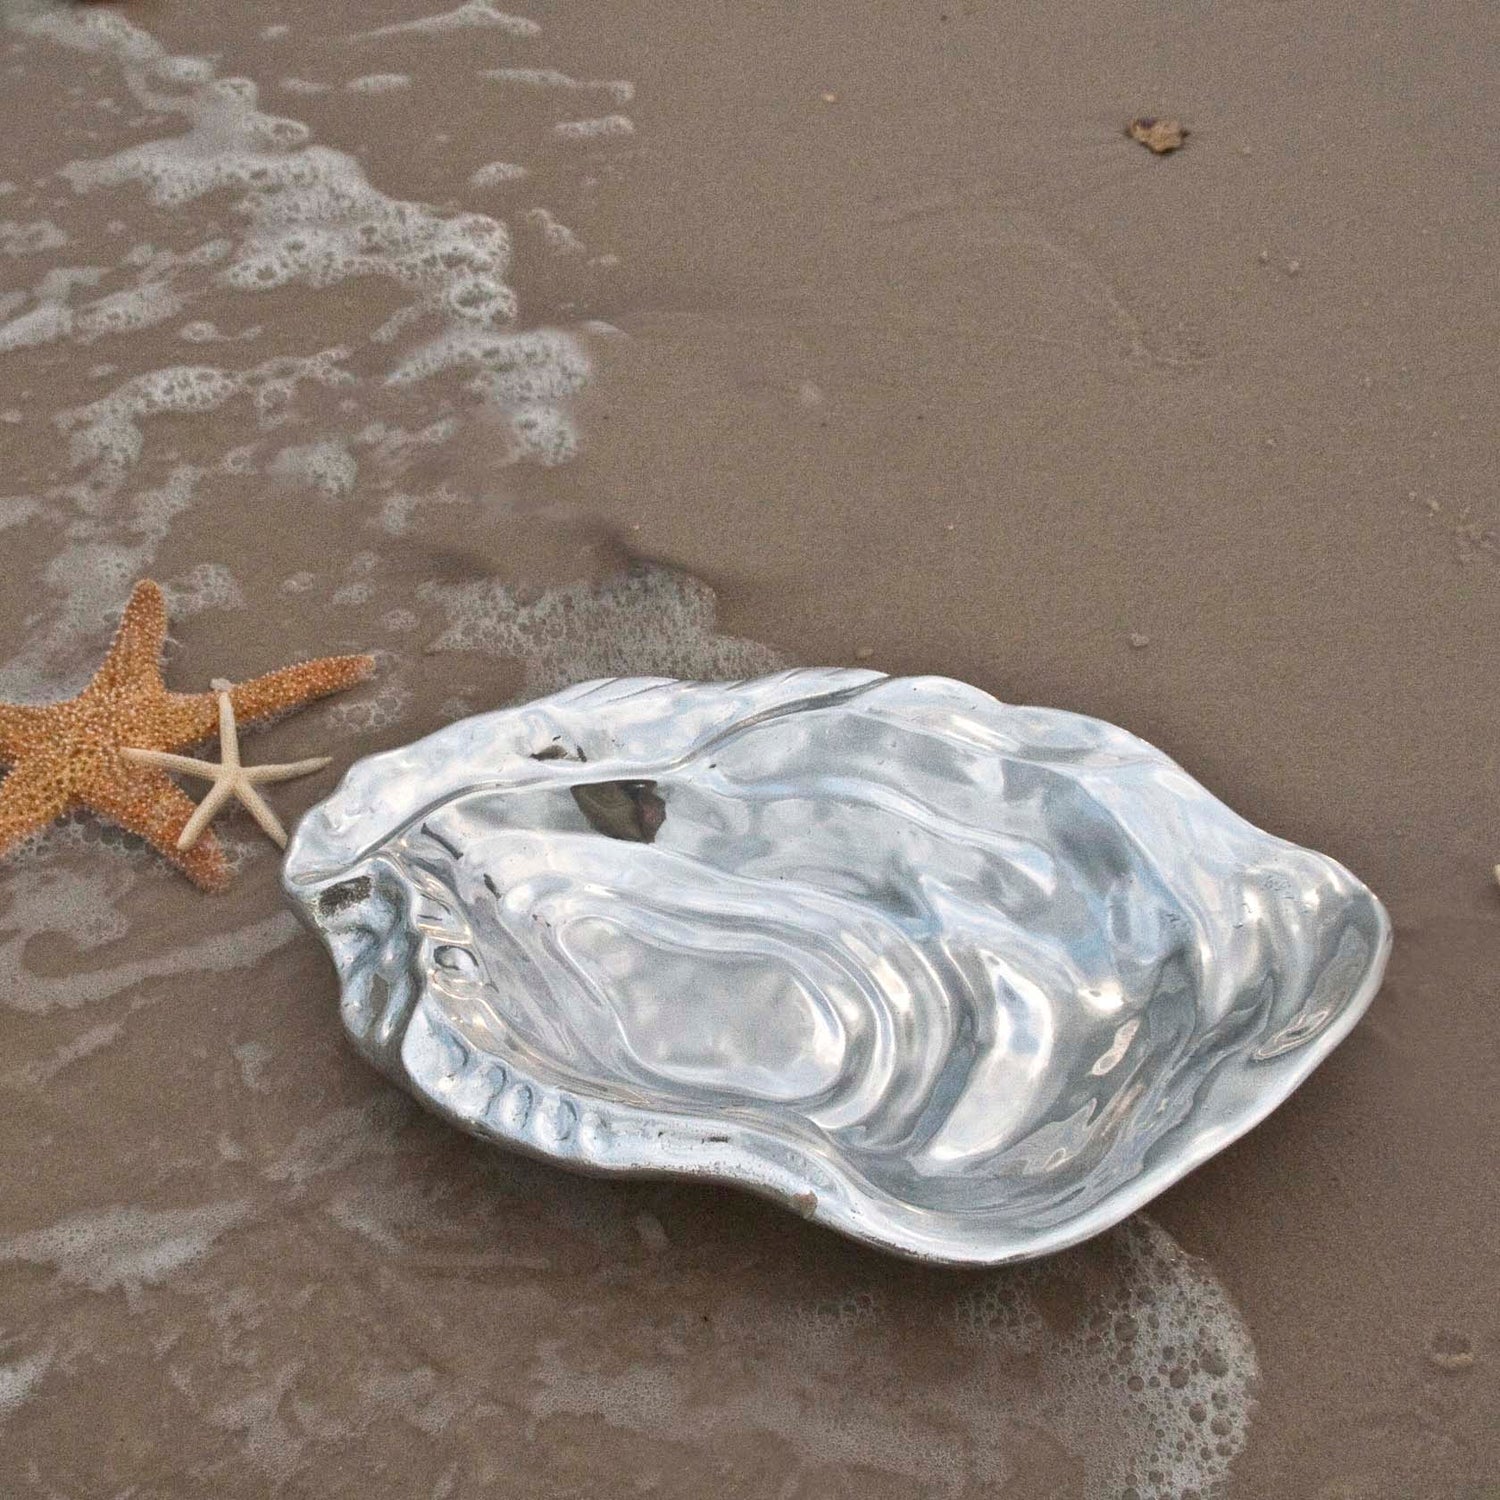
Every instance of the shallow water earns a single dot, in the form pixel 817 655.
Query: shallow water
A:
pixel 526 348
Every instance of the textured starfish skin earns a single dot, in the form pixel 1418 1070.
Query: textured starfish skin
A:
pixel 67 755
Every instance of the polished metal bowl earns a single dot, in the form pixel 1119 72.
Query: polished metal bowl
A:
pixel 965 980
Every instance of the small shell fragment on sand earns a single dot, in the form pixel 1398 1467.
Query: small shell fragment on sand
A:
pixel 1159 136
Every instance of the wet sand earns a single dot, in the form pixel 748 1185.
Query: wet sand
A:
pixel 872 340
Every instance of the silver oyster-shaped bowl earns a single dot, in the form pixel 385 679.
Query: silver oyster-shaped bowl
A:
pixel 964 980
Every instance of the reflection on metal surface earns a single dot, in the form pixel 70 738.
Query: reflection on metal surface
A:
pixel 964 980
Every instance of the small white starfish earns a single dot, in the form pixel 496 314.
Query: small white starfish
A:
pixel 229 777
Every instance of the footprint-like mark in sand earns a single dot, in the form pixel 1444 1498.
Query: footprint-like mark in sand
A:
pixel 1080 305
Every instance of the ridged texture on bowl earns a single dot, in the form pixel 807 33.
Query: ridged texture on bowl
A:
pixel 965 980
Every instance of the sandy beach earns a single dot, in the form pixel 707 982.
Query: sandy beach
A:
pixel 695 339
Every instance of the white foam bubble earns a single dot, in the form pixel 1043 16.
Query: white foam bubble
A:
pixel 305 86
pixel 274 384
pixel 325 466
pixel 1154 1390
pixel 91 577
pixel 34 238
pixel 823 1426
pixel 217 953
pixel 207 586
pixel 603 127
pixel 17 1381
pixel 254 1058
pixel 156 296
pixel 559 238
pixel 51 317
pixel 528 375
pixel 271 1443
pixel 1010 1378
pixel 105 31
pixel 542 434
pixel 330 226
pixel 126 1247
pixel 379 83
pixel 41 1071
pixel 126 311
pixel 495 174
pixel 472 15
pixel 43 324
pixel 78 904
pixel 313 217
pixel 16 510
pixel 297 213
pixel 651 622
pixel 339 1138
pixel 392 446
pixel 373 713
pixel 397 510
pixel 540 364
pixel 151 515
pixel 105 435
pixel 618 89
pixel 202 331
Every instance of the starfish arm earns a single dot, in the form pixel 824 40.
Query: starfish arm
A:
pixel 30 798
pixel 184 765
pixel 218 794
pixel 21 724
pixel 229 740
pixel 135 652
pixel 291 688
pixel 257 775
pixel 185 719
pixel 148 802
pixel 260 810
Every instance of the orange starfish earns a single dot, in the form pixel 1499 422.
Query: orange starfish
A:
pixel 66 755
